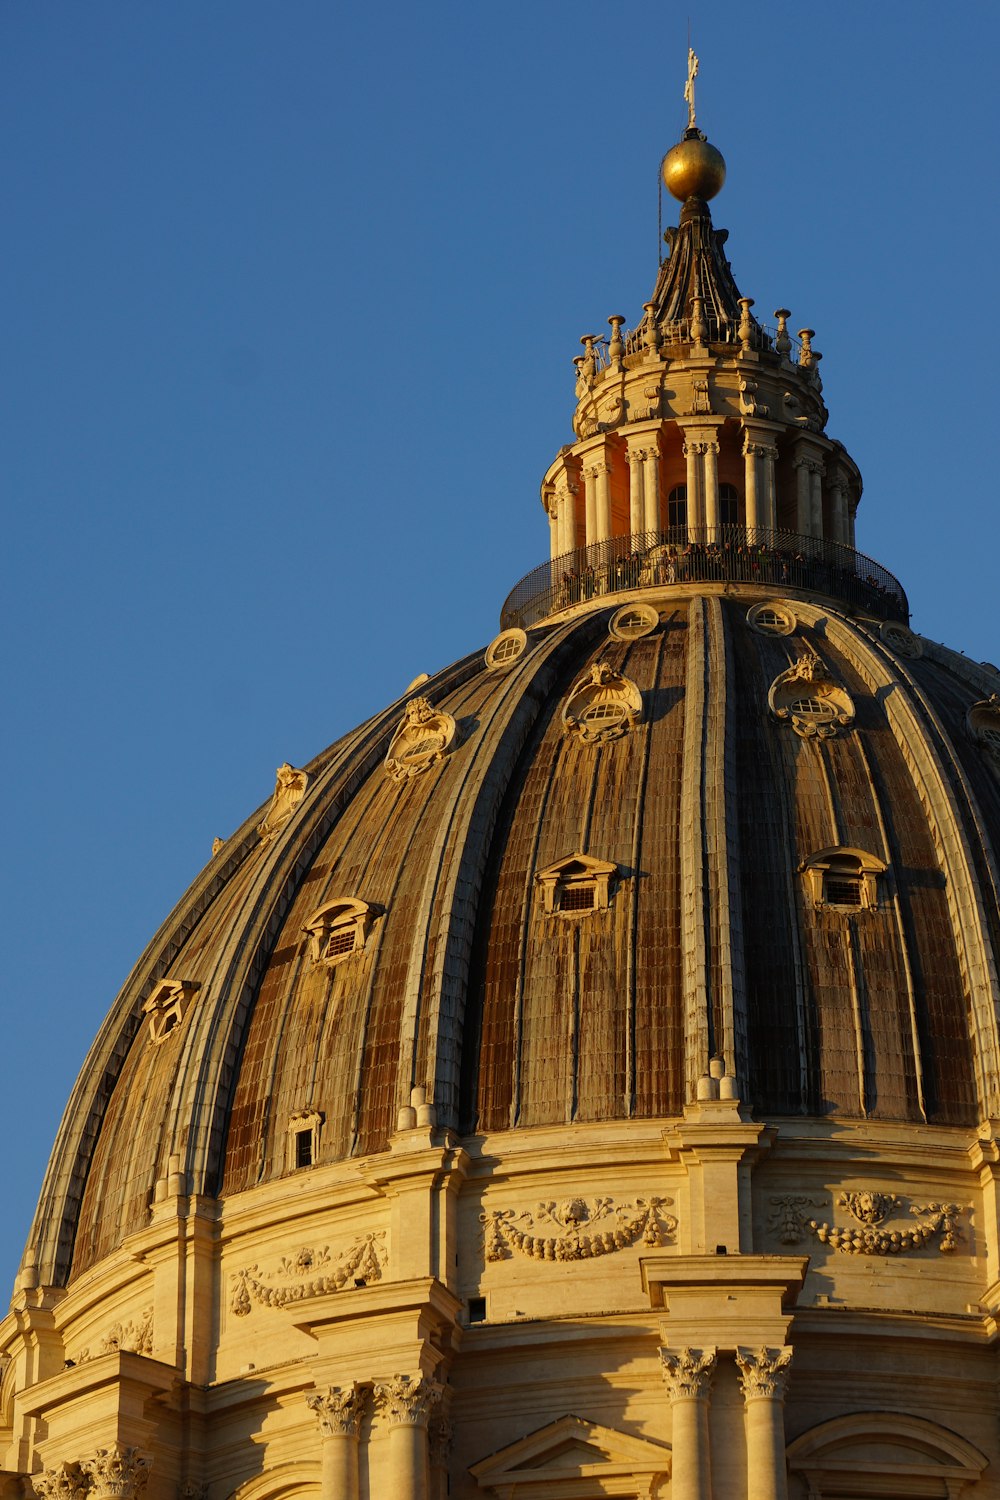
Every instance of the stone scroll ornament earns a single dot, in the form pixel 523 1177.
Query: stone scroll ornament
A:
pixel 870 1210
pixel 339 1410
pixel 806 697
pixel 420 741
pixel 602 705
pixel 62 1482
pixel 763 1371
pixel 118 1472
pixel 687 1372
pixel 311 1273
pixel 582 1229
pixel 289 789
pixel 407 1400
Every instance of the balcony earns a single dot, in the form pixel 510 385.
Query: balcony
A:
pixel 682 556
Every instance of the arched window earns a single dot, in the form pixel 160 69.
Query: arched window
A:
pixel 729 505
pixel 677 506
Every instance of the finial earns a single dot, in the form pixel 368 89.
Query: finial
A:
pixel 693 168
pixel 746 323
pixel 689 86
pixel 806 355
pixel 616 348
pixel 782 343
pixel 651 335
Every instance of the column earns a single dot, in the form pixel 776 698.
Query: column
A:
pixel 651 486
pixel 406 1403
pixel 687 1374
pixel 838 505
pixel 339 1411
pixel 712 490
pixel 553 515
pixel 695 511
pixel 116 1473
pixel 603 502
pixel 636 497
pixel 567 493
pixel 750 453
pixel 816 472
pixel 803 495
pixel 769 509
pixel 590 502
pixel 763 1373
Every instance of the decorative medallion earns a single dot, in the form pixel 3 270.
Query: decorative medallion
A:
pixel 582 1228
pixel 602 705
pixel 168 1005
pixel 870 1211
pixel 504 650
pixel 806 696
pixel 771 619
pixel 420 741
pixel 900 640
pixel 632 621
pixel 311 1273
pixel 289 789
pixel 983 723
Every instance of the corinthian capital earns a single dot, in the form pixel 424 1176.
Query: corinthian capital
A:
pixel 339 1409
pixel 407 1400
pixel 118 1472
pixel 62 1482
pixel 688 1372
pixel 763 1372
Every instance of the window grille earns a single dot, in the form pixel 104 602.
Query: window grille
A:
pixel 677 509
pixel 842 890
pixel 508 649
pixel 577 898
pixel 341 942
pixel 817 708
pixel 729 505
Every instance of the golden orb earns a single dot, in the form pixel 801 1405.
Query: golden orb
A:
pixel 693 168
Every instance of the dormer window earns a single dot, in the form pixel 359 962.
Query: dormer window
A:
pixel 806 696
pixel 771 619
pixel 576 885
pixel 167 1006
pixel 304 1129
pixel 505 649
pixel 632 621
pixel 843 879
pixel 602 705
pixel 339 929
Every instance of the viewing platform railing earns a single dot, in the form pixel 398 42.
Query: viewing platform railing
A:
pixel 723 554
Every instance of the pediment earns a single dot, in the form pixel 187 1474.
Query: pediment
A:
pixel 574 1456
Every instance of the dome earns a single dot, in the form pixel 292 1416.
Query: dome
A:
pixel 511 1011
pixel 583 1075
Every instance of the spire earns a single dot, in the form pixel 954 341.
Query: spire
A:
pixel 696 268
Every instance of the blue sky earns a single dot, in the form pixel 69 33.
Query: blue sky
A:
pixel 291 295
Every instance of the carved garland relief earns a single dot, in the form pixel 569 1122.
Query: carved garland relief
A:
pixel 870 1211
pixel 311 1273
pixel 581 1229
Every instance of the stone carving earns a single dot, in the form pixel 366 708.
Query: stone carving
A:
pixel 583 1229
pixel 133 1337
pixel 168 1005
pixel 289 789
pixel 192 1489
pixel 311 1273
pixel 602 705
pixel 787 1217
pixel 687 1372
pixel 900 639
pixel 407 1400
pixel 218 844
pixel 763 1371
pixel 983 722
pixel 62 1482
pixel 870 1210
pixel 339 1410
pixel 439 1438
pixel 806 696
pixel 420 741
pixel 118 1472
